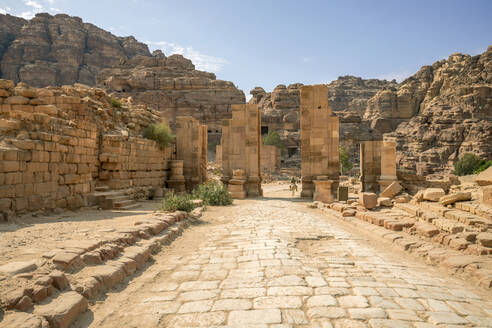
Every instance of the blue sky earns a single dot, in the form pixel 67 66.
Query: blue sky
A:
pixel 267 42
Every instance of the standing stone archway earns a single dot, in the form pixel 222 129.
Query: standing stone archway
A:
pixel 319 145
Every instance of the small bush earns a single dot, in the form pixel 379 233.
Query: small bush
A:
pixel 345 163
pixel 160 132
pixel 485 165
pixel 273 139
pixel 174 202
pixel 213 193
pixel 468 164
pixel 115 103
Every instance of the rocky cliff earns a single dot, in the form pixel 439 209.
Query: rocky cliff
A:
pixel 173 86
pixel 440 113
pixel 347 96
pixel 59 50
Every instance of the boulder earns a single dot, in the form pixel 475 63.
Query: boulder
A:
pixel 485 239
pixel 433 194
pixel 392 190
pixel 484 178
pixel 403 199
pixel 453 198
pixel 385 201
pixel 24 320
pixel 368 199
pixel 63 310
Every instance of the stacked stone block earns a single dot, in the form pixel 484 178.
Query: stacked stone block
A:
pixel 132 162
pixel 55 147
pixel 191 148
pixel 241 147
pixel 319 144
pixel 377 165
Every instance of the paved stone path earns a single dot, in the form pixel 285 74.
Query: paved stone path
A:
pixel 276 263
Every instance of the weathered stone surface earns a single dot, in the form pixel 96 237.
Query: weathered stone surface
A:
pixel 444 110
pixel 384 201
pixel 368 200
pixel 13 268
pixel 392 190
pixel 175 88
pixel 433 194
pixel 485 239
pixel 453 198
pixel 63 310
pixel 24 320
pixel 347 96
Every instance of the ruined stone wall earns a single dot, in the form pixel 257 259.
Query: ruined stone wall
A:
pixel 132 162
pixel 54 147
pixel 377 165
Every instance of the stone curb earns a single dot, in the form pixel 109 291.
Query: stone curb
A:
pixel 118 260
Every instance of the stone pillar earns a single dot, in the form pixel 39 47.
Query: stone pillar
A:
pixel 323 189
pixel 176 179
pixel 388 164
pixel 319 142
pixel 190 149
pixel 370 165
pixel 241 147
pixel 377 165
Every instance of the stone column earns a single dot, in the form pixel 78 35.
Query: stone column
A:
pixel 370 165
pixel 204 154
pixel 241 146
pixel 319 142
pixel 388 164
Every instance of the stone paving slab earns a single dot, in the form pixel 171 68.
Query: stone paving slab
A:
pixel 276 263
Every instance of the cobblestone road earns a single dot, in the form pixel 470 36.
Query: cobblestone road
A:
pixel 276 263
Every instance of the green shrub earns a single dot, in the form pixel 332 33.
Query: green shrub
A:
pixel 174 202
pixel 485 165
pixel 345 163
pixel 213 193
pixel 468 164
pixel 159 132
pixel 273 139
pixel 115 103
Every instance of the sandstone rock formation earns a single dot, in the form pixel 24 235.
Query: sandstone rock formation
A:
pixel 443 111
pixel 173 86
pixel 59 50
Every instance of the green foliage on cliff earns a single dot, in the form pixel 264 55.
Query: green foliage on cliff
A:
pixel 470 164
pixel 345 163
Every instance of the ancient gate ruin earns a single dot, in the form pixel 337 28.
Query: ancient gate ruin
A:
pixel 319 145
pixel 241 147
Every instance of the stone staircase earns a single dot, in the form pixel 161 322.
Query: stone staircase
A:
pixel 112 199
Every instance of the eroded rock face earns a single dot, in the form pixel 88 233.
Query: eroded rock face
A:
pixel 443 111
pixel 347 96
pixel 173 86
pixel 59 50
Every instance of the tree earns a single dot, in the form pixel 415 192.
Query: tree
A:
pixel 273 139
pixel 345 163
pixel 468 164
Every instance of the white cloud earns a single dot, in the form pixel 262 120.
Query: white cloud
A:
pixel 27 14
pixel 55 10
pixel 201 61
pixel 398 76
pixel 33 4
pixel 3 11
pixel 307 59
